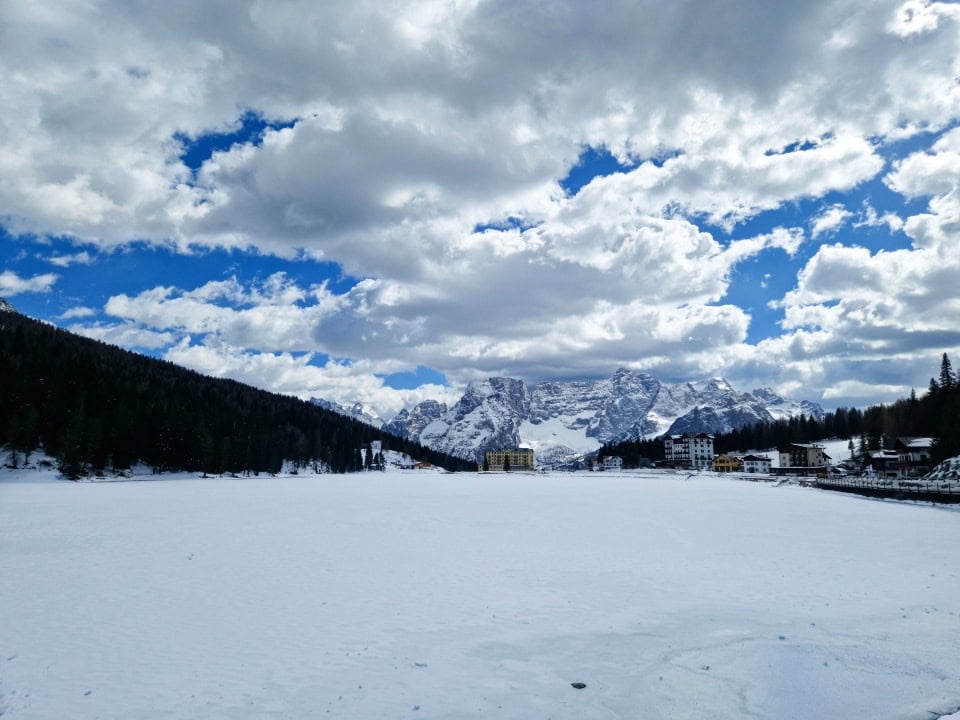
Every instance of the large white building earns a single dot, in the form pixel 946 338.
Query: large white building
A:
pixel 692 450
pixel 520 458
pixel 803 455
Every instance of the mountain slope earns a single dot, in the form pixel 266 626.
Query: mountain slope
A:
pixel 93 406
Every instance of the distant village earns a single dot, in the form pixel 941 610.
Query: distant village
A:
pixel 910 458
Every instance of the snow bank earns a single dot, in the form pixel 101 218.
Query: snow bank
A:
pixel 837 448
pixel 422 595
pixel 946 473
pixel 38 467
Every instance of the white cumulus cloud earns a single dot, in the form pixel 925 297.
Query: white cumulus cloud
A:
pixel 396 133
pixel 830 220
pixel 13 284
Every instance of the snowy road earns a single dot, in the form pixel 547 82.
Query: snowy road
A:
pixel 424 595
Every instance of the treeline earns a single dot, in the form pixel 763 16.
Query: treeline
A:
pixel 936 414
pixel 94 406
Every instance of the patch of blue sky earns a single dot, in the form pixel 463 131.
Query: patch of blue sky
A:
pixel 922 140
pixel 754 284
pixel 873 193
pixel 799 145
pixel 593 162
pixel 801 213
pixel 316 359
pixel 509 223
pixel 757 283
pixel 413 379
pixel 250 129
pixel 138 267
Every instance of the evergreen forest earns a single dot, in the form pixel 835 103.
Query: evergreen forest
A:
pixel 97 407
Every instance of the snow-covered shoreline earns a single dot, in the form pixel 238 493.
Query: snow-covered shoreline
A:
pixel 427 595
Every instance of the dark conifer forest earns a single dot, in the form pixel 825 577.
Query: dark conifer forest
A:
pixel 936 414
pixel 93 406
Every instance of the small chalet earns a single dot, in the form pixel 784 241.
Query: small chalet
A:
pixel 613 462
pixel 756 464
pixel 727 463
pixel 914 456
pixel 885 464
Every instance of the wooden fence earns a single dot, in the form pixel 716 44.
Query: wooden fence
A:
pixel 897 489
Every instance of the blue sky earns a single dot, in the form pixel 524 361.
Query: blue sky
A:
pixel 375 206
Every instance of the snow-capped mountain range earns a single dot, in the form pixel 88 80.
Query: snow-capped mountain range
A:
pixel 564 420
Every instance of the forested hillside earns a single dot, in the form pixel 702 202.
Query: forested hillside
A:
pixel 936 414
pixel 95 406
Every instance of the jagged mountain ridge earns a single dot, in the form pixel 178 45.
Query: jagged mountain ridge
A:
pixel 408 423
pixel 562 420
pixel 357 411
pixel 782 409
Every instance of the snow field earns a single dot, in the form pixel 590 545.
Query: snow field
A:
pixel 423 595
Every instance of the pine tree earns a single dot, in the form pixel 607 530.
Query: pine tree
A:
pixel 947 379
pixel 863 450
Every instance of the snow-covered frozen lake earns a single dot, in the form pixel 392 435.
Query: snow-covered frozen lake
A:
pixel 424 595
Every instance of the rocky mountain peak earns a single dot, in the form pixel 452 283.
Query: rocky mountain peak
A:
pixel 720 385
pixel 357 411
pixel 511 393
pixel 562 420
pixel 767 395
pixel 410 423
pixel 365 414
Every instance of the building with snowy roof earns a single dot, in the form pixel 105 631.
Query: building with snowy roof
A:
pixel 914 456
pixel 727 463
pixel 613 462
pixel 884 464
pixel 756 464
pixel 803 455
